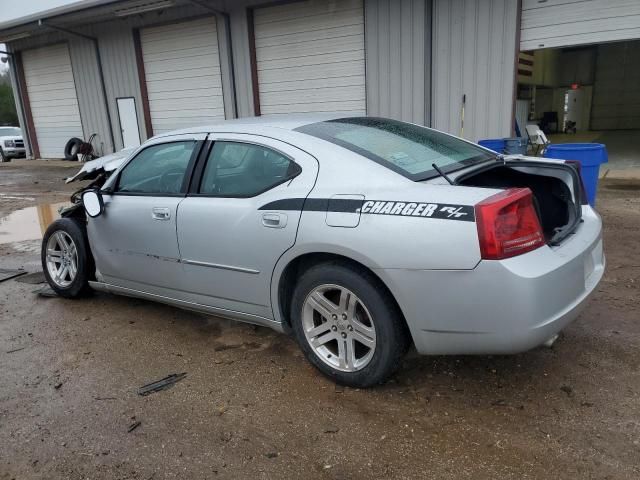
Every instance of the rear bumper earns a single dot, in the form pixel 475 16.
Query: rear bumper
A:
pixel 505 306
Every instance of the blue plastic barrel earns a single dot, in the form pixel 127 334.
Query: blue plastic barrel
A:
pixel 515 146
pixel 590 156
pixel 495 144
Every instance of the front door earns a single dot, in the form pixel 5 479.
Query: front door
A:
pixel 128 122
pixel 134 241
pixel 230 236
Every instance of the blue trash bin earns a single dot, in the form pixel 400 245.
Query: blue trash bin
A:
pixel 495 144
pixel 590 156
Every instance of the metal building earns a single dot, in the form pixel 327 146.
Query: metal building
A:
pixel 128 69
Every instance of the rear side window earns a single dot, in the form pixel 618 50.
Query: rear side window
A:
pixel 407 149
pixel 159 169
pixel 244 170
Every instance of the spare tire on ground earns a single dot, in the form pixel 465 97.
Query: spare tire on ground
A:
pixel 72 148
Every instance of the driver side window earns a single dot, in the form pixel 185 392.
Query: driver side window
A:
pixel 159 169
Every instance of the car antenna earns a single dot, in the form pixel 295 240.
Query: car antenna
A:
pixel 442 174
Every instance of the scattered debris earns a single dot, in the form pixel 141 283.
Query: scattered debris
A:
pixel 104 398
pixel 57 385
pixel 272 454
pixel 7 274
pixel 221 410
pixel 162 384
pixel 133 426
pixel 331 429
pixel 16 350
pixel 229 346
pixel 45 291
pixel 501 402
pixel 32 278
pixel 567 389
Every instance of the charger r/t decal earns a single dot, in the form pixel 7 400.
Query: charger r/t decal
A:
pixel 443 211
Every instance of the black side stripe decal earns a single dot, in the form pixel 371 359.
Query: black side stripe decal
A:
pixel 446 211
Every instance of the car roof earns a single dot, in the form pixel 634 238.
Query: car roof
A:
pixel 240 125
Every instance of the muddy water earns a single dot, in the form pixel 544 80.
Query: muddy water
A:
pixel 29 223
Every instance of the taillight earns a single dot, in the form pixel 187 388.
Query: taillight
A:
pixel 508 224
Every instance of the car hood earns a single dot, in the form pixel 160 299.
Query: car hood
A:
pixel 11 137
pixel 108 163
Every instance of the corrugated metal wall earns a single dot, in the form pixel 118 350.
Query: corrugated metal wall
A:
pixel 474 52
pixel 398 59
pixel 560 23
pixel 89 90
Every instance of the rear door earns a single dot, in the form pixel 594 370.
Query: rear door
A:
pixel 230 231
pixel 134 241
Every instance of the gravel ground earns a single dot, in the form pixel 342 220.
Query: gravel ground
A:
pixel 251 407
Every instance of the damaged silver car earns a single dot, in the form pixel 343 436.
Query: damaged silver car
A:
pixel 359 236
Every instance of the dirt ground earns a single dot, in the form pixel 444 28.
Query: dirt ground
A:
pixel 251 407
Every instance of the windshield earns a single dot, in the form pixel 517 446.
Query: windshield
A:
pixel 407 149
pixel 10 132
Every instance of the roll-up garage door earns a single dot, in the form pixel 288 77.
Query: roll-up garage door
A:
pixel 563 23
pixel 52 98
pixel 310 57
pixel 182 72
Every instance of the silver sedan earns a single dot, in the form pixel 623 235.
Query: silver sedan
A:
pixel 360 236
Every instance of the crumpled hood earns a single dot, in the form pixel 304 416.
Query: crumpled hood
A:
pixel 108 163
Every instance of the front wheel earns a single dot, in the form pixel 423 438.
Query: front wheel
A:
pixel 347 325
pixel 3 158
pixel 66 260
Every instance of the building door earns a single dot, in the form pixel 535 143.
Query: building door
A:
pixel 52 98
pixel 128 122
pixel 182 73
pixel 310 57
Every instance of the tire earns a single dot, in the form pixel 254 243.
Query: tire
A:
pixel 69 233
pixel 2 157
pixel 71 149
pixel 376 318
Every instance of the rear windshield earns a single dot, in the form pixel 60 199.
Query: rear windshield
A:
pixel 407 149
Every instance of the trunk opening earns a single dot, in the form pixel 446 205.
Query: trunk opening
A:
pixel 556 205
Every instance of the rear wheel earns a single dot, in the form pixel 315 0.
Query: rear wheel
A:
pixel 347 325
pixel 66 261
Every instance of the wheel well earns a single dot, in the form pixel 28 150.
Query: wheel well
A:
pixel 299 265
pixel 78 214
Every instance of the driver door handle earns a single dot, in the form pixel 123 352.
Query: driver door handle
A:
pixel 160 213
pixel 274 220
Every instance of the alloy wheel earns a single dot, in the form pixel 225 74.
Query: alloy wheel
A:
pixel 62 259
pixel 339 328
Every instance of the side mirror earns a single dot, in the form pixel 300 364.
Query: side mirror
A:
pixel 93 203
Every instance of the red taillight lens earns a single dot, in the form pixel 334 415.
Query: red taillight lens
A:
pixel 508 224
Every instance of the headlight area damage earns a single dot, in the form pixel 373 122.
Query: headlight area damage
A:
pixel 98 170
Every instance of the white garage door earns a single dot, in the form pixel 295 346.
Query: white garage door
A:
pixel 310 57
pixel 562 23
pixel 182 70
pixel 52 97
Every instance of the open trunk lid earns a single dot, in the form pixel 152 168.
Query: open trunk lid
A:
pixel 556 187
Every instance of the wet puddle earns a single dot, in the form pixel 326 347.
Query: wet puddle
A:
pixel 29 223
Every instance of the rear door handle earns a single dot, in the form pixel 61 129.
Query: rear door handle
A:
pixel 160 213
pixel 274 220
